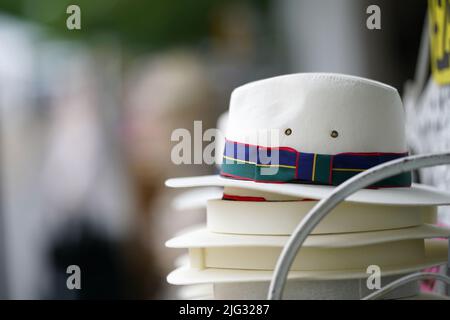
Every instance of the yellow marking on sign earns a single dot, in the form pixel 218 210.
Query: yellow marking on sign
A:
pixel 439 30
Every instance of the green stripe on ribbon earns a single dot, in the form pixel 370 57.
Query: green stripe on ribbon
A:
pixel 251 171
pixel 322 169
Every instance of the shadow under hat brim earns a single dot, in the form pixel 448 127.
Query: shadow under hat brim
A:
pixel 436 254
pixel 416 195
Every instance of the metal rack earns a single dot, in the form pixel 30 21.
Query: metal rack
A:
pixel 339 194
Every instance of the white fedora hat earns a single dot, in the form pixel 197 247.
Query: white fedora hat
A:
pixel 281 217
pixel 435 253
pixel 348 289
pixel 301 134
pixel 392 250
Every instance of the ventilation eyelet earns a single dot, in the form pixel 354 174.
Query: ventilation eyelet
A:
pixel 334 134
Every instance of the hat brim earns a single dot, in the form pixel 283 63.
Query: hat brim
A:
pixel 353 289
pixel 202 238
pixel 416 195
pixel 196 292
pixel 436 254
pixel 195 199
pixel 419 296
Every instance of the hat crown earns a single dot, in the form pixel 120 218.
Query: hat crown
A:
pixel 319 113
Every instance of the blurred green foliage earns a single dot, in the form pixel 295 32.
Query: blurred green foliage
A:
pixel 149 24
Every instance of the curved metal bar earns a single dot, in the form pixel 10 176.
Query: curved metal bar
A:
pixel 404 280
pixel 340 193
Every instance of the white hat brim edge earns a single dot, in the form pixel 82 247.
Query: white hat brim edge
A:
pixel 416 195
pixel 200 237
pixel 436 254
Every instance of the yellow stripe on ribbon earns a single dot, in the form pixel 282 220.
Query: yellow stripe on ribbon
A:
pixel 314 167
pixel 260 165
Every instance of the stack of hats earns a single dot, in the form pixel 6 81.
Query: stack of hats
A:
pixel 289 141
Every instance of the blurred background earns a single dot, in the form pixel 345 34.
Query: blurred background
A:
pixel 86 118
